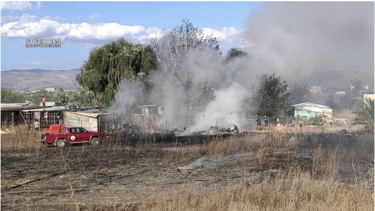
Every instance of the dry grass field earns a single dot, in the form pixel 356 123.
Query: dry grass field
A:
pixel 268 171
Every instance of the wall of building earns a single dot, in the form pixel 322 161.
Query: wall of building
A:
pixel 310 111
pixel 75 120
pixel 368 96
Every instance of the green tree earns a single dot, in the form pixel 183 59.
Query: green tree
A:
pixel 365 114
pixel 271 95
pixel 61 98
pixel 8 96
pixel 317 120
pixel 234 53
pixel 109 64
pixel 36 98
pixel 83 97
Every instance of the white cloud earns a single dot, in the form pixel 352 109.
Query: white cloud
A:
pixel 19 5
pixel 25 18
pixel 222 34
pixel 7 19
pixel 48 27
pixel 93 16
pixel 29 26
pixel 39 4
pixel 55 18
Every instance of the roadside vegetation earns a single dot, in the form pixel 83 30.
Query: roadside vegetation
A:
pixel 364 113
pixel 8 96
pixel 81 97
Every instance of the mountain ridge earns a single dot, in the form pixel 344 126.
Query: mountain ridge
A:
pixel 36 79
pixel 36 70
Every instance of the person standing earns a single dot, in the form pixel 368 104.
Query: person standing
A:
pixel 36 125
pixel 44 102
pixel 257 119
pixel 265 120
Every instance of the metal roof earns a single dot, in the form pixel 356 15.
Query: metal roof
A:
pixel 20 108
pixel 13 104
pixel 88 114
pixel 310 105
pixel 57 108
pixel 145 106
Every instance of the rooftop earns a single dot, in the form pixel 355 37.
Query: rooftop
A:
pixel 311 105
pixel 21 108
pixel 57 108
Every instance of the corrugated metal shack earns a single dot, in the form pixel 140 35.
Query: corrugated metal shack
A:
pixel 308 110
pixel 147 116
pixel 51 115
pixel 88 118
pixel 14 115
pixel 91 119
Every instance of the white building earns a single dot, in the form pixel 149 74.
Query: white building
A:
pixel 307 110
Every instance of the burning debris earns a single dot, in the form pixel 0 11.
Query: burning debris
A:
pixel 178 131
pixel 131 131
pixel 215 130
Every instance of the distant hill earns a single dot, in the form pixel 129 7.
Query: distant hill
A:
pixel 345 80
pixel 35 79
pixel 340 78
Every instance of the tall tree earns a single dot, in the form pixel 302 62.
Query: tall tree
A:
pixel 173 48
pixel 36 98
pixel 271 95
pixel 365 114
pixel 180 52
pixel 61 98
pixel 109 64
pixel 8 96
pixel 234 53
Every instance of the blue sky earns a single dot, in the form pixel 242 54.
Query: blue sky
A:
pixel 82 25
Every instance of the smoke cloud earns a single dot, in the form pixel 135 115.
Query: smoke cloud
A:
pixel 303 37
pixel 292 39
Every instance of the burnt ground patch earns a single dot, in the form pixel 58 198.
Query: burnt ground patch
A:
pixel 123 173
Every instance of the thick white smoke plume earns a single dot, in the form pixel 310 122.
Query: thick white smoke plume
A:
pixel 224 111
pixel 132 93
pixel 197 89
pixel 303 37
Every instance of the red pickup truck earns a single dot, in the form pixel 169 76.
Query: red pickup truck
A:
pixel 71 135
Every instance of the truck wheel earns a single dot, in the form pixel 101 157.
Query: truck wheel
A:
pixel 95 141
pixel 61 143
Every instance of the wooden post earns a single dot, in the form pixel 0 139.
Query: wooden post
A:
pixel 24 119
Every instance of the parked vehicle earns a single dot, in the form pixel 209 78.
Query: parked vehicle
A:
pixel 63 136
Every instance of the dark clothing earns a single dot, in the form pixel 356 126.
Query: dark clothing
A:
pixel 258 121
pixel 266 122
